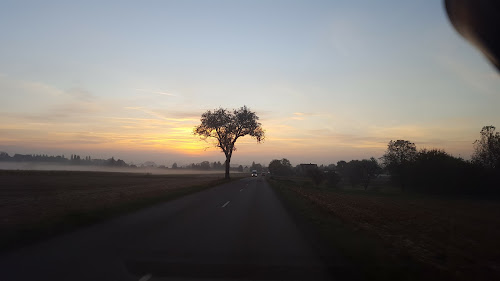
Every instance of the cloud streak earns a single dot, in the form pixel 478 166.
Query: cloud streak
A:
pixel 163 93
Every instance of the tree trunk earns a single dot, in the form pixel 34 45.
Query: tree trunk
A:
pixel 228 160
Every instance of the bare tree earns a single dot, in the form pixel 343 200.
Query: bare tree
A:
pixel 227 126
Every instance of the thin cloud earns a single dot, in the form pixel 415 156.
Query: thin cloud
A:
pixel 303 115
pixel 164 93
pixel 81 94
pixel 161 115
pixel 142 109
pixel 180 115
pixel 298 116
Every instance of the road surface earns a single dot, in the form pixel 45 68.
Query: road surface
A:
pixel 236 231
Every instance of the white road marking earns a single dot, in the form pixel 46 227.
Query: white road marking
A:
pixel 146 277
pixel 225 204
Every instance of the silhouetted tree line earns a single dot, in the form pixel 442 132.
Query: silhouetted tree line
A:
pixel 355 172
pixel 4 156
pixel 435 171
pixel 426 170
pixel 207 166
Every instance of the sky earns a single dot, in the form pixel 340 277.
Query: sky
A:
pixel 330 80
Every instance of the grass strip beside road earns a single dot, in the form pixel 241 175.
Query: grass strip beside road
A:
pixel 74 219
pixel 375 259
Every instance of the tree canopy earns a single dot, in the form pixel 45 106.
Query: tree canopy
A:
pixel 226 127
pixel 399 155
pixel 281 167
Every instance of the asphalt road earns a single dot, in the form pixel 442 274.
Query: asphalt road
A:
pixel 236 231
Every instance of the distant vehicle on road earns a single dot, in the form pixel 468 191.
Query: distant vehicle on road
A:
pixel 254 173
pixel 263 174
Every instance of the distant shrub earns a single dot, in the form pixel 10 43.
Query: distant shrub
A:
pixel 316 175
pixel 436 171
pixel 359 172
pixel 332 179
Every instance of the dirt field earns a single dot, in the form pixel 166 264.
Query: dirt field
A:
pixel 30 198
pixel 457 236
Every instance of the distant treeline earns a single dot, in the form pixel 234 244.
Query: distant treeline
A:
pixel 209 166
pixel 61 159
pixel 111 162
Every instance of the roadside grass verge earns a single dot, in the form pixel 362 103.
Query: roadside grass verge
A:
pixel 375 258
pixel 72 219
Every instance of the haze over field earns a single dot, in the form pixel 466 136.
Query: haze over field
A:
pixel 151 170
pixel 330 80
